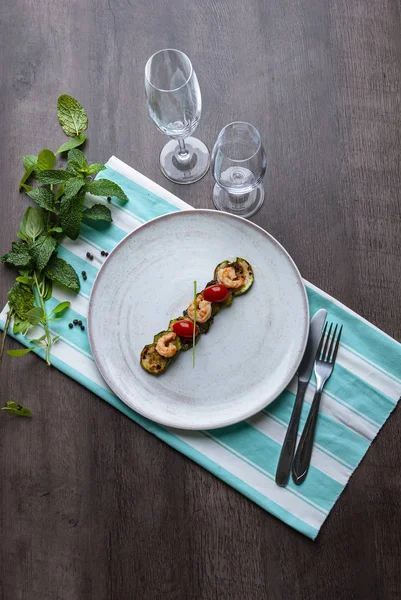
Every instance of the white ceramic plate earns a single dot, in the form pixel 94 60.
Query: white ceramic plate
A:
pixel 252 350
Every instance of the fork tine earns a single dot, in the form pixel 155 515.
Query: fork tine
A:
pixel 336 346
pixel 326 344
pixel 330 352
pixel 321 341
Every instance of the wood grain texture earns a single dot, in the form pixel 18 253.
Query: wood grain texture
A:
pixel 92 506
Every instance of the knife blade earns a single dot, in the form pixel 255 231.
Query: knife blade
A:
pixel 304 372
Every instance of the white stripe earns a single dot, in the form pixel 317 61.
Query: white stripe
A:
pixel 321 461
pixel 119 166
pixel 256 479
pixel 79 248
pixel 368 371
pixel 332 408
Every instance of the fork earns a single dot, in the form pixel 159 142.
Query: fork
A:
pixel 325 358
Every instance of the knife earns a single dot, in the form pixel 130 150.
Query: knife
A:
pixel 304 373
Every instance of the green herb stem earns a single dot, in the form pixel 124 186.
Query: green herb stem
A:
pixel 194 331
pixel 3 337
pixel 40 290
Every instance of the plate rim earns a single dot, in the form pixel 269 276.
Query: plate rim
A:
pixel 246 414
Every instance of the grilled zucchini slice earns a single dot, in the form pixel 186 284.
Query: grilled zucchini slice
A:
pixel 152 362
pixel 242 269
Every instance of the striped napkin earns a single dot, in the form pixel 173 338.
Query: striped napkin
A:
pixel 356 402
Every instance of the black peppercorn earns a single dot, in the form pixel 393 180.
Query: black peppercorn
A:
pixel 108 199
pixel 70 325
pixel 83 327
pixel 106 253
pixel 88 254
pixel 75 321
pixel 84 277
pixel 83 272
pixel 103 253
pixel 79 323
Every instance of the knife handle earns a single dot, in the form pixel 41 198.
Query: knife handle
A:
pixel 287 451
pixel 303 456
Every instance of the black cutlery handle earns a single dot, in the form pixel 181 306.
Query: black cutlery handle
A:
pixel 287 451
pixel 303 454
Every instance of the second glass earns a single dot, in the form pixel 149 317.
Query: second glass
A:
pixel 238 166
pixel 174 103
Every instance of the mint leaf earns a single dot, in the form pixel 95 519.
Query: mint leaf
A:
pixel 20 326
pixel 41 250
pixel 47 292
pixel 60 307
pixel 73 186
pixel 43 197
pixel 21 299
pixel 18 257
pixel 32 224
pixel 26 280
pixel 16 409
pixel 104 187
pixel 26 175
pixel 76 141
pixel 60 191
pixel 71 215
pixel 19 352
pixel 46 159
pixel 77 160
pixel 29 166
pixel 30 161
pixel 26 187
pixel 95 168
pixel 35 315
pixel 98 212
pixel 71 115
pixel 60 271
pixel 53 177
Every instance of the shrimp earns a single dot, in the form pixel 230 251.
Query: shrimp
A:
pixel 228 277
pixel 203 310
pixel 163 346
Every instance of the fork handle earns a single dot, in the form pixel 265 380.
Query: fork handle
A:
pixel 303 454
pixel 287 451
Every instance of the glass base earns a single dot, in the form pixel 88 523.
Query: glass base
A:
pixel 243 206
pixel 185 167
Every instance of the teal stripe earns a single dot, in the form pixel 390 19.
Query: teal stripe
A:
pixel 371 343
pixel 359 394
pixel 104 235
pixel 180 445
pixel 142 203
pixel 338 439
pixel 264 452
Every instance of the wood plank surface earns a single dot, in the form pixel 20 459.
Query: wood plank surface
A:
pixel 94 507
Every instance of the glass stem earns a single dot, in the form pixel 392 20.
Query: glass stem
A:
pixel 238 201
pixel 183 149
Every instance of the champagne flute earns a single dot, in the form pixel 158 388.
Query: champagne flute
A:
pixel 238 165
pixel 174 103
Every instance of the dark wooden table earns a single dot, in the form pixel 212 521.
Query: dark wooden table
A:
pixel 92 506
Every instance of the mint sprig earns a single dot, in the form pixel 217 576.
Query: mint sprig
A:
pixel 58 189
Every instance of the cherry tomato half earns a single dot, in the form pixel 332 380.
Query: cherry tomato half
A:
pixel 215 293
pixel 185 329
